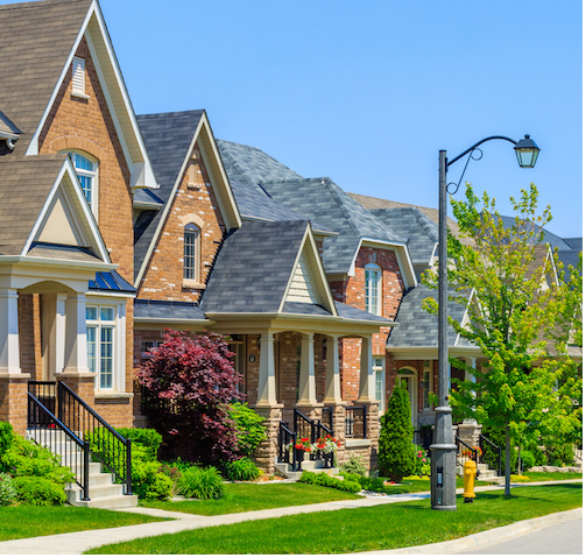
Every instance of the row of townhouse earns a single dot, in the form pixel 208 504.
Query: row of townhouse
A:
pixel 115 227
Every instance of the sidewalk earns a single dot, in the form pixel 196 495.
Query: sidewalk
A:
pixel 78 542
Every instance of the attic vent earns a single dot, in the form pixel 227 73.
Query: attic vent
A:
pixel 302 289
pixel 79 76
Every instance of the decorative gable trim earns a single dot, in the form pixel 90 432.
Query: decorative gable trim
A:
pixel 118 102
pixel 219 182
pixel 67 192
pixel 308 283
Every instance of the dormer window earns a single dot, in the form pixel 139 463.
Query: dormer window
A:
pixel 78 77
pixel 87 173
pixel 191 253
pixel 372 294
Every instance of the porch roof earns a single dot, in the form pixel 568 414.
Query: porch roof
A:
pixel 167 310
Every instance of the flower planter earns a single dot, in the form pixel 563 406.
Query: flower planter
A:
pixel 328 459
pixel 299 458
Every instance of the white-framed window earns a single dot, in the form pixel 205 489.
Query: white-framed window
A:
pixel 106 343
pixel 150 344
pixel 373 292
pixel 78 76
pixel 378 365
pixel 427 384
pixel 192 252
pixel 87 169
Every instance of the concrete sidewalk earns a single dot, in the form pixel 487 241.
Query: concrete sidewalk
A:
pixel 78 542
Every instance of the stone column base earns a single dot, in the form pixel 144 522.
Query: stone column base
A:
pixel 339 427
pixel 266 453
pixel 14 401
pixel 469 432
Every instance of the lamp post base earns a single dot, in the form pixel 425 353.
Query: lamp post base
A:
pixel 443 461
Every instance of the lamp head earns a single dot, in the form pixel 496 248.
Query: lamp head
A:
pixel 526 152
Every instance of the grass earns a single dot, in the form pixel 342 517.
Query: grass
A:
pixel 241 498
pixel 549 476
pixel 26 521
pixel 374 528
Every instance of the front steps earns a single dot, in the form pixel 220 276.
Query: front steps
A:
pixel 486 474
pixel 104 493
pixel 312 466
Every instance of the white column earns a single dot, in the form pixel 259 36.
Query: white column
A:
pixel 9 339
pixel 307 385
pixel 332 394
pixel 469 377
pixel 366 371
pixel 266 388
pixel 75 358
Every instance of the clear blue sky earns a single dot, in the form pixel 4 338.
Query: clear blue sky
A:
pixel 367 93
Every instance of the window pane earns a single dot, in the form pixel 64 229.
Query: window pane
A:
pixel 190 237
pixel 87 185
pixel 107 314
pixel 91 313
pixel 106 359
pixel 379 386
pixel 92 348
pixel 82 163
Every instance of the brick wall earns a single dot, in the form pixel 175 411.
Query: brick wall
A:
pixel 196 203
pixel 29 335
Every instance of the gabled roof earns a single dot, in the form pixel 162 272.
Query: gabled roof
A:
pixel 325 202
pixel 417 327
pixel 250 165
pixel 256 204
pixel 170 139
pixel 36 41
pixel 553 240
pixel 575 243
pixel 417 227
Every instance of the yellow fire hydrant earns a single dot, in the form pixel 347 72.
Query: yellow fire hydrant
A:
pixel 470 470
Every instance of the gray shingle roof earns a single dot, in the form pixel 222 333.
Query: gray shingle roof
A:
pixel 553 240
pixel 344 311
pixel 62 252
pixel 575 243
pixel 253 267
pixel 256 204
pixel 19 212
pixel 248 164
pixel 418 328
pixel 35 41
pixel 147 197
pixel 167 138
pixel 6 126
pixel 325 202
pixel 417 227
pixel 167 310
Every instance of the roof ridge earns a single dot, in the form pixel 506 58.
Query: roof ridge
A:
pixel 166 114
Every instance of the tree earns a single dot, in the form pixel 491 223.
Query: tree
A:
pixel 520 316
pixel 190 382
pixel 396 449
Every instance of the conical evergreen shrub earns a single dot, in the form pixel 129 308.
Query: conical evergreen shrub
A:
pixel 396 450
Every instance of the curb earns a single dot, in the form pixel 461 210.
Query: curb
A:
pixel 487 537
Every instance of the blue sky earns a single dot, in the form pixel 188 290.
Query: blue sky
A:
pixel 367 93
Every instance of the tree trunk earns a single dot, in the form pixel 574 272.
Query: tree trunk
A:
pixel 507 463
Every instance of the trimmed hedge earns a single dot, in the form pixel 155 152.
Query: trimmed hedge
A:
pixel 35 490
pixel 322 479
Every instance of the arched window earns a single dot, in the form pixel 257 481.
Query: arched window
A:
pixel 372 294
pixel 86 168
pixel 191 252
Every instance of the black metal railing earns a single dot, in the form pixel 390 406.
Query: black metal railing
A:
pixel 466 452
pixel 491 454
pixel 47 430
pixel 356 422
pixel 80 420
pixel 328 419
pixel 287 442
pixel 304 427
pixel 423 438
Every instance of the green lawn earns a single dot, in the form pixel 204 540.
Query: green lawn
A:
pixel 375 528
pixel 241 498
pixel 25 521
pixel 549 476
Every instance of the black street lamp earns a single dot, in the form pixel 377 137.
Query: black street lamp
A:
pixel 443 449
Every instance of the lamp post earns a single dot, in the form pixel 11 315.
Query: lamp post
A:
pixel 443 449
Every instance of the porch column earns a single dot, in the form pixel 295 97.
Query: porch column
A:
pixel 9 340
pixel 266 387
pixel 307 385
pixel 469 430
pixel 332 392
pixel 366 371
pixel 75 358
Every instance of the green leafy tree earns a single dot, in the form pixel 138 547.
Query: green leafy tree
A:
pixel 521 316
pixel 396 449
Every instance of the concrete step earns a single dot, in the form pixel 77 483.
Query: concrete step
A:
pixel 96 492
pixel 311 466
pixel 114 502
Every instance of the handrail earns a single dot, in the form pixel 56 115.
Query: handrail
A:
pixel 285 435
pixel 474 451
pixel 349 422
pixel 498 449
pixel 301 416
pixel 116 457
pixel 42 435
pixel 329 410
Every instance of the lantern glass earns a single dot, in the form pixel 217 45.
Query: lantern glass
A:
pixel 526 152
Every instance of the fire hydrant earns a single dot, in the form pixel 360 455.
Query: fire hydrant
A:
pixel 470 471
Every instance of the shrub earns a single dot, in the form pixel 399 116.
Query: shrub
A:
pixel 528 460
pixel 396 450
pixel 147 438
pixel 7 489
pixel 322 479
pixel 6 436
pixel 422 463
pixel 202 483
pixel 242 470
pixel 249 426
pixel 39 491
pixel 148 482
pixel 354 465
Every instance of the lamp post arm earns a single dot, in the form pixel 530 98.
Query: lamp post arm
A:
pixel 494 137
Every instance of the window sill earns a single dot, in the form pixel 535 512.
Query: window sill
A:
pixel 192 284
pixel 353 443
pixel 80 95
pixel 112 395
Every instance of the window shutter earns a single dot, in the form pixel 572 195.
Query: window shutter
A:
pixel 79 75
